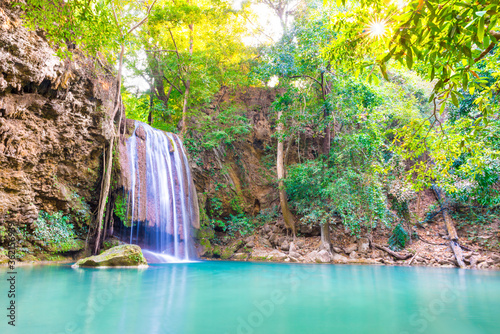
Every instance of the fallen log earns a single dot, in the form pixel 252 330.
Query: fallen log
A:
pixel 413 258
pixel 394 254
pixel 450 226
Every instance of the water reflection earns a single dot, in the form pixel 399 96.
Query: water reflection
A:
pixel 258 298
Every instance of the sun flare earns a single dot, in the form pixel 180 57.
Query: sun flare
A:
pixel 377 28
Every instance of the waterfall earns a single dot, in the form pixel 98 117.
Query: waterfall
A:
pixel 162 202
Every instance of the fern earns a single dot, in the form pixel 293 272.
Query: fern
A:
pixel 399 238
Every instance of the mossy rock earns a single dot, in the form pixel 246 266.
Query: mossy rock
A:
pixel 205 233
pixel 119 256
pixel 207 248
pixel 240 256
pixel 231 249
pixel 217 251
pixel 72 245
pixel 111 242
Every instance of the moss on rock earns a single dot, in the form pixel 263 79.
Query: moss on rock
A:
pixel 231 249
pixel 119 256
pixel 71 245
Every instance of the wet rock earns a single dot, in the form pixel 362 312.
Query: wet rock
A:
pixel 120 256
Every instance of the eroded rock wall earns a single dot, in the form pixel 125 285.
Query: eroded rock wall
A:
pixel 54 123
pixel 243 175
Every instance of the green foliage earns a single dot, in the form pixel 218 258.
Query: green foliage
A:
pixel 53 229
pixel 88 24
pixel 445 42
pixel 223 128
pixel 121 208
pixel 398 239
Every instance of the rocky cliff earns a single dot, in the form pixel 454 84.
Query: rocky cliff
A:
pixel 54 123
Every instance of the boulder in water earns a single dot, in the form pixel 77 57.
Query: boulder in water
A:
pixel 119 256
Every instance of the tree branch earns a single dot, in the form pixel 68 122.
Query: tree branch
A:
pixel 143 20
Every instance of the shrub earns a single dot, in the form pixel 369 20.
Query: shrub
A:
pixel 53 228
pixel 398 239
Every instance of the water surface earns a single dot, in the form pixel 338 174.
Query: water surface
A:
pixel 260 298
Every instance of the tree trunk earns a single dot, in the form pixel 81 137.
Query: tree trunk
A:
pixel 188 84
pixel 287 215
pixel 151 101
pixel 109 165
pixel 450 226
pixel 325 236
pixel 104 194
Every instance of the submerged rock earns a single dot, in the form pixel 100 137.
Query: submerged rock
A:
pixel 119 256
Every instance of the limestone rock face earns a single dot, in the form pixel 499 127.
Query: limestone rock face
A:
pixel 54 123
pixel 119 256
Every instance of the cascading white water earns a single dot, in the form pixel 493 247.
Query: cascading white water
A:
pixel 162 203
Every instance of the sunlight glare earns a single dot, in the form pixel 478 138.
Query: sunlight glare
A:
pixel 377 28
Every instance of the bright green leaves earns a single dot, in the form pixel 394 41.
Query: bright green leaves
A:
pixel 409 58
pixel 88 25
pixel 441 41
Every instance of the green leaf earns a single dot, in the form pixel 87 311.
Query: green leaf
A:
pixel 441 109
pixel 480 29
pixel 409 58
pixel 454 100
pixel 465 81
pixel 481 14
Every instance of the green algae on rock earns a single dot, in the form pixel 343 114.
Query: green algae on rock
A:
pixel 119 256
